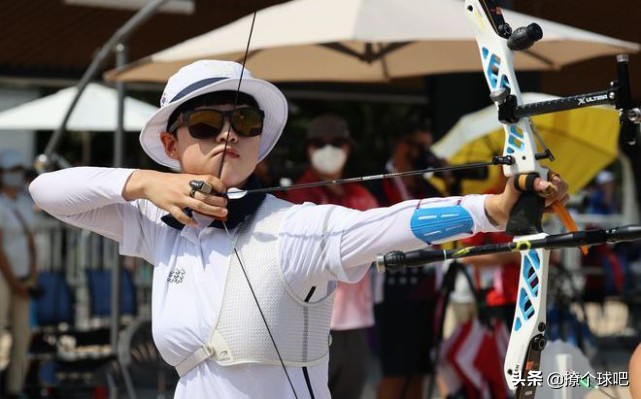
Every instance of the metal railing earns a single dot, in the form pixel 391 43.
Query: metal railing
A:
pixel 72 251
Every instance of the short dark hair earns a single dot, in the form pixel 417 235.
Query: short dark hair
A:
pixel 416 126
pixel 410 128
pixel 214 98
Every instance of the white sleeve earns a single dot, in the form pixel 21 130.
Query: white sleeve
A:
pixel 336 243
pixel 91 198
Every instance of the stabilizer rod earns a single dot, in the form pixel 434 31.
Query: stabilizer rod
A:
pixel 398 260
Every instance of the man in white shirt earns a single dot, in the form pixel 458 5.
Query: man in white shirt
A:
pixel 17 264
pixel 242 288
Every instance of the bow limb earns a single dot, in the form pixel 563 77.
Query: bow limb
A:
pixel 527 337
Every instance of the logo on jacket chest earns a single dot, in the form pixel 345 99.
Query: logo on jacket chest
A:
pixel 176 276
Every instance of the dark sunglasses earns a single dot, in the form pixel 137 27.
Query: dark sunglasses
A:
pixel 336 142
pixel 208 123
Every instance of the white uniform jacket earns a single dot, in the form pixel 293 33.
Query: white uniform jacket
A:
pixel 191 266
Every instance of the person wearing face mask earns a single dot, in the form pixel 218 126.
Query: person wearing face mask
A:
pixel 411 151
pixel 17 264
pixel 328 147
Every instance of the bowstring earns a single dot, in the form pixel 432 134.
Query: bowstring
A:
pixel 242 266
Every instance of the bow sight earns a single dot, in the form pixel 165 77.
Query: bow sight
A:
pixel 618 95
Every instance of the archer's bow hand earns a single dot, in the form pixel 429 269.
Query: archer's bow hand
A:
pixel 498 206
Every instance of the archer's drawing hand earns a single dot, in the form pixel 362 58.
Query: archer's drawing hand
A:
pixel 173 193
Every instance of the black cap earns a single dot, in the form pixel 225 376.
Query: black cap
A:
pixel 328 126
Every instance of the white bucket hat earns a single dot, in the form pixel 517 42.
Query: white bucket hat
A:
pixel 207 76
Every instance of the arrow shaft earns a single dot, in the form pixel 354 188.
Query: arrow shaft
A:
pixel 496 160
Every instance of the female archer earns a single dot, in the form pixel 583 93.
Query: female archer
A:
pixel 242 288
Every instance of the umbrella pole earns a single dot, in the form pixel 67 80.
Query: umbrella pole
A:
pixel 119 148
pixel 118 37
pixel 114 322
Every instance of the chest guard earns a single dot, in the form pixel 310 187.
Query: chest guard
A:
pixel 300 329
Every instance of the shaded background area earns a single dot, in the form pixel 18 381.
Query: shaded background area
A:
pixel 47 44
pixel 49 39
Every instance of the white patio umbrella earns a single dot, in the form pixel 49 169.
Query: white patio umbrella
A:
pixel 366 40
pixel 96 111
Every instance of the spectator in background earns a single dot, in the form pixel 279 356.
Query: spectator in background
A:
pixel 329 146
pixel 411 152
pixel 405 301
pixel 17 264
pixel 603 195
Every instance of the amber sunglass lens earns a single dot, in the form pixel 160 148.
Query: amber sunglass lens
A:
pixel 205 124
pixel 248 121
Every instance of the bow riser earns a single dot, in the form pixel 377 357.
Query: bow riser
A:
pixel 528 330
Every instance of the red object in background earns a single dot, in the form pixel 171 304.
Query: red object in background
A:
pixel 475 353
pixel 100 393
pixel 509 273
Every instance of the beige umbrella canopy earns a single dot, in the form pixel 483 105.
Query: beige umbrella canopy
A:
pixel 366 41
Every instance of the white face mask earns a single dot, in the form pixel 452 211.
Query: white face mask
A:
pixel 329 159
pixel 13 179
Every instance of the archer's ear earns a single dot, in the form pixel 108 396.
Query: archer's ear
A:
pixel 169 142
